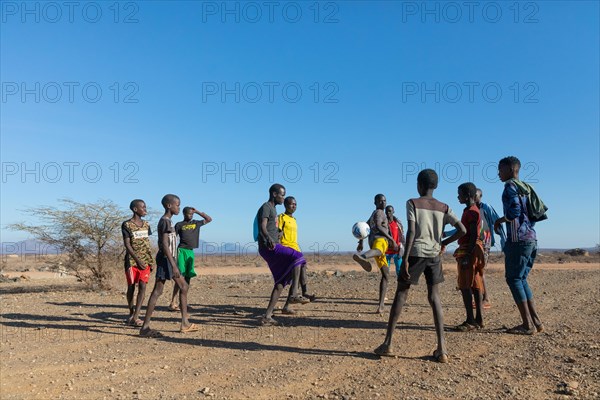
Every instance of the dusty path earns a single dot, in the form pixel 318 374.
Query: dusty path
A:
pixel 72 344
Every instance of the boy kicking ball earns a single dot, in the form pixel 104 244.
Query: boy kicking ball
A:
pixel 379 238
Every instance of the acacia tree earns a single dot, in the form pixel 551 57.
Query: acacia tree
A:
pixel 88 236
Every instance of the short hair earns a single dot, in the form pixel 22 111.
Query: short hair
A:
pixel 168 199
pixel 288 200
pixel 378 196
pixel 510 161
pixel 428 179
pixel 468 188
pixel 134 203
pixel 187 209
pixel 276 187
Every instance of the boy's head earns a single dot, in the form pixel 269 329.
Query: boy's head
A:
pixel 466 192
pixel 188 213
pixel 426 180
pixel 478 196
pixel 277 193
pixel 171 203
pixel 389 212
pixel 290 205
pixel 508 168
pixel 379 201
pixel 138 207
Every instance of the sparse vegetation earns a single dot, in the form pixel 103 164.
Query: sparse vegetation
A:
pixel 86 234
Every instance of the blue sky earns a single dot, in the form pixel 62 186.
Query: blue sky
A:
pixel 338 101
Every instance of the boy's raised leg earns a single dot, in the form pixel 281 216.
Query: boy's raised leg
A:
pixel 433 296
pixel 383 284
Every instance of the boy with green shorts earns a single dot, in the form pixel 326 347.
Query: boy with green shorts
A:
pixel 188 231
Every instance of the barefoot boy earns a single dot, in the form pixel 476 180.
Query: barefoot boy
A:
pixel 521 247
pixel 289 238
pixel 166 268
pixel 426 219
pixel 284 262
pixel 136 239
pixel 470 259
pixel 379 241
pixel 188 231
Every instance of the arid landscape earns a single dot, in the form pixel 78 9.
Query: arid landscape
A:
pixel 60 340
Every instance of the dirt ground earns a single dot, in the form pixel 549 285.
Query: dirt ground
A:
pixel 59 340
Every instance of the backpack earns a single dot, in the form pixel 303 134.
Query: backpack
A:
pixel 536 209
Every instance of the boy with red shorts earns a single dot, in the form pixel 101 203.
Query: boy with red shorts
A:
pixel 136 239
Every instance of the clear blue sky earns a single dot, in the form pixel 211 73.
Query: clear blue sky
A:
pixel 356 96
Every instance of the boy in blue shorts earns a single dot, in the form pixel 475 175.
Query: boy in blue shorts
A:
pixel 424 246
pixel 520 249
pixel 188 231
pixel 166 268
pixel 379 242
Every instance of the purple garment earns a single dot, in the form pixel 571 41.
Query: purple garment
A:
pixel 281 260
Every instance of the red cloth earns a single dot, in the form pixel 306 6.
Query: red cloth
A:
pixel 135 275
pixel 396 235
pixel 470 215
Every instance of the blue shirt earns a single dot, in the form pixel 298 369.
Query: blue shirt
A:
pixel 491 216
pixel 518 227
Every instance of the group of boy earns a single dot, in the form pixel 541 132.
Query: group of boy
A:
pixel 425 243
pixel 173 261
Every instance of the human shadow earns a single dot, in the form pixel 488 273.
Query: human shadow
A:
pixel 256 346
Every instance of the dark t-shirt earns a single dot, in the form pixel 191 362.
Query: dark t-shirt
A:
pixel 470 215
pixel 268 211
pixel 189 233
pixel 165 226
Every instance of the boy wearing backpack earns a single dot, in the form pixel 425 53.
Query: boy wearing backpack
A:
pixel 521 244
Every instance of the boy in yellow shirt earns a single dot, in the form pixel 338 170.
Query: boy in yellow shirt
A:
pixel 289 237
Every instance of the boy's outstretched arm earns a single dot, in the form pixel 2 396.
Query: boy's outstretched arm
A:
pixel 206 217
pixel 460 232
pixel 410 241
pixel 165 245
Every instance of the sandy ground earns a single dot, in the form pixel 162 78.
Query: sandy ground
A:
pixel 61 341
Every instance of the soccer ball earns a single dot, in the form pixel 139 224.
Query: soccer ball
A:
pixel 361 230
